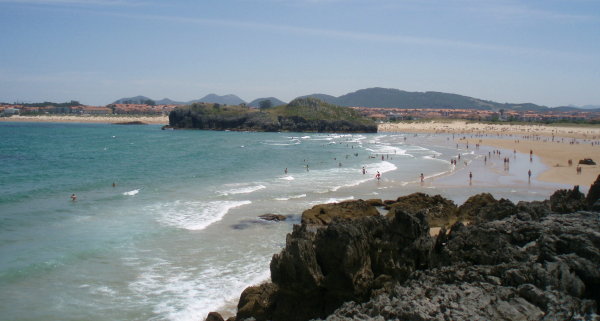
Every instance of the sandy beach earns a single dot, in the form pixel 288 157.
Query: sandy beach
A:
pixel 569 143
pixel 163 120
pixel 463 127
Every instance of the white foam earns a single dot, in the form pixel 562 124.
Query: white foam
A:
pixel 291 197
pixel 242 190
pixel 131 193
pixel 382 167
pixel 332 200
pixel 287 178
pixel 191 215
pixel 183 294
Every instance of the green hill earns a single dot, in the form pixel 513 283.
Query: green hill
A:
pixel 395 98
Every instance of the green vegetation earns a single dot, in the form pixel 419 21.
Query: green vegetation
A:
pixel 300 115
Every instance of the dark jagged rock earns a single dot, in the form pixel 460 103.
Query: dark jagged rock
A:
pixel 273 217
pixel 438 210
pixel 500 270
pixel 375 202
pixel 324 214
pixel 513 262
pixel 594 193
pixel 257 302
pixel 567 201
pixel 136 122
pixel 345 261
pixel 214 316
pixel 587 161
pixel 470 208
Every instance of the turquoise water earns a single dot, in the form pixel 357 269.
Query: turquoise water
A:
pixel 178 234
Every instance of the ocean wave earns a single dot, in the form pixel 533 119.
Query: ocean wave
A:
pixel 131 193
pixel 183 294
pixel 287 178
pixel 290 197
pixel 242 190
pixel 192 215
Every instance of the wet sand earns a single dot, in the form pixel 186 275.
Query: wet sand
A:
pixel 555 146
pixel 162 120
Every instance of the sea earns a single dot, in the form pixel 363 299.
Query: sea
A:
pixel 165 223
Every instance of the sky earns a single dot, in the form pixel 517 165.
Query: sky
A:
pixel 545 52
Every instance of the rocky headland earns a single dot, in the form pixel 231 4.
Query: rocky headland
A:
pixel 300 115
pixel 492 260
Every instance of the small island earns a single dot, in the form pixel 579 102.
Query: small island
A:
pixel 300 115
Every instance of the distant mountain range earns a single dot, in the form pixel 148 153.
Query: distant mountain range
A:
pixel 210 98
pixel 382 98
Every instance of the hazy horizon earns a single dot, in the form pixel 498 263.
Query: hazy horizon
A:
pixel 97 51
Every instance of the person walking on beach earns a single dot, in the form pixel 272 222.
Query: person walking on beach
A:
pixel 529 174
pixel 470 177
pixel 378 175
pixel 73 197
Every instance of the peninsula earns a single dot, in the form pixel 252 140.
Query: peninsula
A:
pixel 300 115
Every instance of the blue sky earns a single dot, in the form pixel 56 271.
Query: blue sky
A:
pixel 96 51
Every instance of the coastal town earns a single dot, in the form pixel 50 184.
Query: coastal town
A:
pixel 380 114
pixel 76 109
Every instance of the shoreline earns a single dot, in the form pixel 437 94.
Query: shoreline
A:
pixel 554 145
pixel 146 119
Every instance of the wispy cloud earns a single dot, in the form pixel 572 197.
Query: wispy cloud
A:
pixel 360 36
pixel 510 10
pixel 76 2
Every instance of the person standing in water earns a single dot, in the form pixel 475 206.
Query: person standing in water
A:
pixel 529 173
pixel 378 175
pixel 422 178
pixel 470 177
pixel 285 170
pixel 73 197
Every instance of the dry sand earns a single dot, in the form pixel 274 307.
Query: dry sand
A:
pixel 523 138
pixel 163 120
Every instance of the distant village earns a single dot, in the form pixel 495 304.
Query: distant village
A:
pixel 379 114
pixel 116 109
pixel 398 114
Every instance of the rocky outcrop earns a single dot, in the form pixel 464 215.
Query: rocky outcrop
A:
pixel 513 262
pixel 567 201
pixel 345 261
pixel 375 202
pixel 273 217
pixel 500 270
pixel 587 161
pixel 594 193
pixel 300 115
pixel 437 210
pixel 324 214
